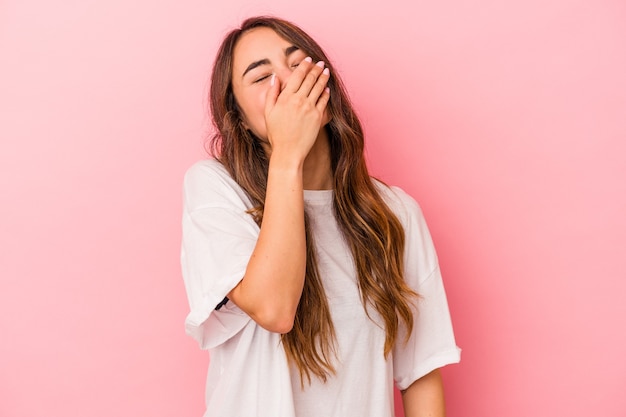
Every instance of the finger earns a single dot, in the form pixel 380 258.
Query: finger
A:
pixel 323 100
pixel 320 85
pixel 295 80
pixel 272 93
pixel 311 79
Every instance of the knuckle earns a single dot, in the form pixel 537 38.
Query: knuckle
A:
pixel 312 76
pixel 298 101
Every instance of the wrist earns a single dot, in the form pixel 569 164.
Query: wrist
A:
pixel 285 162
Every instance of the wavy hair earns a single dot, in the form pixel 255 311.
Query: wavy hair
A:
pixel 372 231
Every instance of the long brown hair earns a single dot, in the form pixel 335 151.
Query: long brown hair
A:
pixel 372 231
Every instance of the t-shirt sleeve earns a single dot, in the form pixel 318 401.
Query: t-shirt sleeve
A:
pixel 431 344
pixel 217 241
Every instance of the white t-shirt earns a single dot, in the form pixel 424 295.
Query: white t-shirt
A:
pixel 248 373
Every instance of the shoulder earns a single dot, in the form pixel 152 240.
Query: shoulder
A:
pixel 419 245
pixel 205 169
pixel 399 201
pixel 207 183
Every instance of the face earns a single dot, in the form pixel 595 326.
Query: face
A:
pixel 258 54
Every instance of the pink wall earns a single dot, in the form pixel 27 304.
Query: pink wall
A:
pixel 506 120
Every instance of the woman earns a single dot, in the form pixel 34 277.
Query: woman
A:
pixel 312 285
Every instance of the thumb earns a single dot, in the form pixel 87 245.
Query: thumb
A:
pixel 272 93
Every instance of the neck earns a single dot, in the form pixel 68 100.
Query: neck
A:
pixel 317 171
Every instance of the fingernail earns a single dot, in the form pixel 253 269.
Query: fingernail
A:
pixel 327 90
pixel 320 64
pixel 273 80
pixel 308 59
pixel 326 71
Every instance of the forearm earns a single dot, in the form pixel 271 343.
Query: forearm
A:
pixel 272 285
pixel 425 397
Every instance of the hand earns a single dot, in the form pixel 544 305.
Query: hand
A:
pixel 294 115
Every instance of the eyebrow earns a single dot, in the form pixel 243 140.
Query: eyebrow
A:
pixel 266 61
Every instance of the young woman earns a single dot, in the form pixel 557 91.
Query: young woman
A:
pixel 313 285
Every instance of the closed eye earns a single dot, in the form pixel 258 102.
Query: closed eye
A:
pixel 262 78
pixel 258 80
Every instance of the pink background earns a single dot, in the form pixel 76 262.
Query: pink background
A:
pixel 506 120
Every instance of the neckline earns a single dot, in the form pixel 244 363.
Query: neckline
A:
pixel 318 196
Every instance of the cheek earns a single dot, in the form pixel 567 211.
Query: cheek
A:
pixel 254 111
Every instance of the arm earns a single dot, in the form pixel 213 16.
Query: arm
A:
pixel 424 397
pixel 272 285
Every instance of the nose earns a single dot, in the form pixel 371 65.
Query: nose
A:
pixel 282 74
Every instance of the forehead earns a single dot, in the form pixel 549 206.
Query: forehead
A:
pixel 258 43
